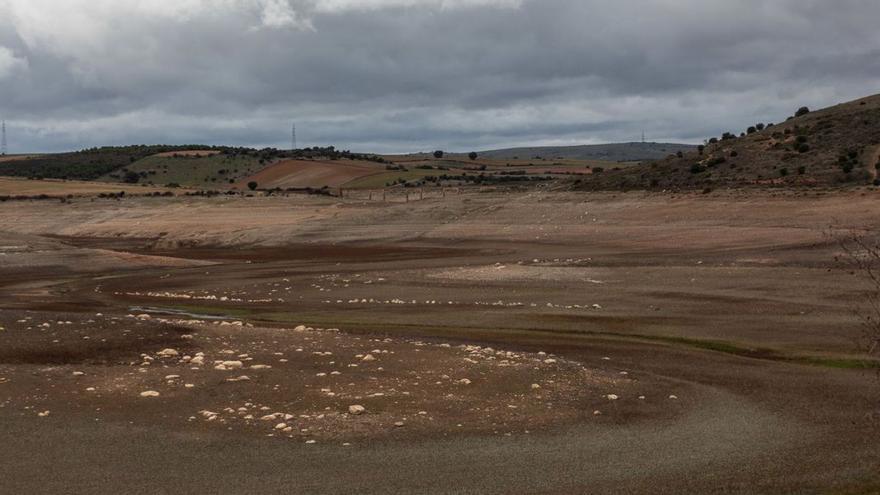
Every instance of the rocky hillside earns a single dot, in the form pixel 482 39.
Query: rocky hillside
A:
pixel 836 146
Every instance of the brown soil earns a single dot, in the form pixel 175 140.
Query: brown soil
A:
pixel 311 173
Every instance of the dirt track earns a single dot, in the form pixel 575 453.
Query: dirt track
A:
pixel 720 311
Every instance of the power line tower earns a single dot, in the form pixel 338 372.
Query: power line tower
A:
pixel 293 137
pixel 3 138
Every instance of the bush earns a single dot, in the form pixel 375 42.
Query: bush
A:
pixel 783 172
pixel 472 155
pixel 802 111
pixel 802 170
pixel 252 185
pixel 734 154
pixel 697 168
pixel 597 170
pixel 803 148
pixel 131 177
pixel 438 154
pixel 701 149
pixel 751 130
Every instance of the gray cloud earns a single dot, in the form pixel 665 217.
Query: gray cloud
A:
pixel 406 75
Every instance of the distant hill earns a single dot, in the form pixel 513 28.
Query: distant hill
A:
pixel 835 146
pixel 613 152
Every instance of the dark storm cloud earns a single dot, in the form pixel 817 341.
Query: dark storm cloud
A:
pixel 401 75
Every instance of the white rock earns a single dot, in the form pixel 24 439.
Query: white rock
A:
pixel 368 357
pixel 612 397
pixel 356 409
pixel 150 393
pixel 168 353
pixel 463 381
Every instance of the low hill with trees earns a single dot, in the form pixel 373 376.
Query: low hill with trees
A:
pixel 837 146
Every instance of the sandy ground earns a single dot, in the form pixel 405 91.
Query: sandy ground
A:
pixel 537 342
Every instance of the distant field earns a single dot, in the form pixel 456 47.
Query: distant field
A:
pixel 13 186
pixel 191 168
pixel 314 173
pixel 384 179
pixel 13 158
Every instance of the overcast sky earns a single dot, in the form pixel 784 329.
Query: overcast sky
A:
pixel 410 75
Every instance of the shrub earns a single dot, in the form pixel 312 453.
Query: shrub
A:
pixel 598 170
pixel 760 127
pixel 681 155
pixel 783 172
pixel 697 168
pixel 252 185
pixel 803 148
pixel 472 155
pixel 131 177
pixel 438 154
pixel 802 170
pixel 751 130
pixel 802 111
pixel 734 154
pixel 701 148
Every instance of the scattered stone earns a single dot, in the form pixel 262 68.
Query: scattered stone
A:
pixel 229 365
pixel 150 393
pixel 356 410
pixel 463 381
pixel 168 353
pixel 368 357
